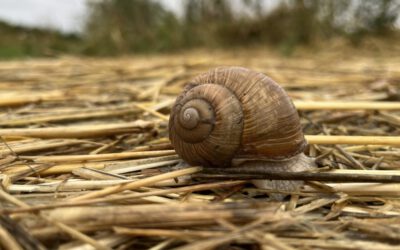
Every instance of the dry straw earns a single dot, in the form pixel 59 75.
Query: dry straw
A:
pixel 86 162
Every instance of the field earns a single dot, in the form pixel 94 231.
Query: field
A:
pixel 86 162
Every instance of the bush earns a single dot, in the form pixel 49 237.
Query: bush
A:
pixel 121 26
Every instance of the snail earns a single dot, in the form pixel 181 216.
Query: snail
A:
pixel 233 116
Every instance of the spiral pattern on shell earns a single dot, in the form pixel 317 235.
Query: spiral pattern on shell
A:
pixel 233 112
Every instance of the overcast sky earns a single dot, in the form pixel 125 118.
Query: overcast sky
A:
pixel 65 15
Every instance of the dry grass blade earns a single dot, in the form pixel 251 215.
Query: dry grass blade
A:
pixel 354 140
pixel 137 184
pixel 163 214
pixel 7 240
pixel 13 99
pixel 349 105
pixel 83 131
pixel 100 157
pixel 192 188
pixel 83 114
pixel 249 174
pixel 74 233
pixel 166 233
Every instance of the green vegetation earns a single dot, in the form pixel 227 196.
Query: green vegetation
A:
pixel 129 26
pixel 25 42
pixel 120 27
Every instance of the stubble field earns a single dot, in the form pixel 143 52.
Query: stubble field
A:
pixel 86 162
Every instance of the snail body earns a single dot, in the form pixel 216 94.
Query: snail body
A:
pixel 232 115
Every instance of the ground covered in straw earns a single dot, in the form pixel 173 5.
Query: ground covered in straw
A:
pixel 86 162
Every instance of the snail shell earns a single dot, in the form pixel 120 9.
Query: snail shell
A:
pixel 234 113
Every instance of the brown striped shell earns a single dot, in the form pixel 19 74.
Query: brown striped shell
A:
pixel 233 112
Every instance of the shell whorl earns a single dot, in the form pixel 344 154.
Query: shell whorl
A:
pixel 233 112
pixel 206 125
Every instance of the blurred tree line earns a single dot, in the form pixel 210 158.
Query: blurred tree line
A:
pixel 123 26
pixel 116 27
pixel 16 41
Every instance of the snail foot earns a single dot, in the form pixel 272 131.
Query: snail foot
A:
pixel 298 163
